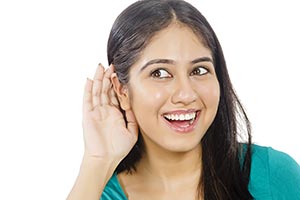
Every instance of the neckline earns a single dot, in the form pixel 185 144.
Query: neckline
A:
pixel 118 185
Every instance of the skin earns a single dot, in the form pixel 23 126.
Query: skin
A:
pixel 103 148
pixel 170 167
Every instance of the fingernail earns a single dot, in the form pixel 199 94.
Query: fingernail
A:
pixel 109 68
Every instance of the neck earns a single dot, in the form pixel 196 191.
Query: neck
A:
pixel 165 167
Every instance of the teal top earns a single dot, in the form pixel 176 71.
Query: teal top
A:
pixel 274 176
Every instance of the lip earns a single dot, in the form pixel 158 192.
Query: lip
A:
pixel 181 129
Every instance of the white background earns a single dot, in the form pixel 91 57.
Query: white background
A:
pixel 48 48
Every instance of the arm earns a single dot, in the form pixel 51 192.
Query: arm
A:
pixel 93 176
pixel 107 138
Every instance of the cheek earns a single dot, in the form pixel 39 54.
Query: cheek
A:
pixel 147 97
pixel 210 93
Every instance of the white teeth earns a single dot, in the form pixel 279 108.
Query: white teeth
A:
pixel 181 117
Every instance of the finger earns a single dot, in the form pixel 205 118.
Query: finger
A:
pixel 106 86
pixel 97 85
pixel 113 98
pixel 132 125
pixel 87 96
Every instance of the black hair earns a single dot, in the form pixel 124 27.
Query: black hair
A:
pixel 226 162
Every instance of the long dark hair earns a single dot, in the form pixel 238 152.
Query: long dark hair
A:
pixel 226 162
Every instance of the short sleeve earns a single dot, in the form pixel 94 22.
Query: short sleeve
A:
pixel 284 176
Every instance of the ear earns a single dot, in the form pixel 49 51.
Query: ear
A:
pixel 121 91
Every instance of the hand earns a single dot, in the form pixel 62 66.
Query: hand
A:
pixel 106 134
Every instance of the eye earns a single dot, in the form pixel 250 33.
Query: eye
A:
pixel 161 73
pixel 199 71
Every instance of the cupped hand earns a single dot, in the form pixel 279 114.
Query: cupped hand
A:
pixel 106 133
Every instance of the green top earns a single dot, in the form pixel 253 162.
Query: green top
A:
pixel 274 176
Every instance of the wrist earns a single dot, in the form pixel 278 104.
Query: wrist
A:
pixel 99 164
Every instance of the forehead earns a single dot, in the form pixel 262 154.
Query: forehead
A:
pixel 177 42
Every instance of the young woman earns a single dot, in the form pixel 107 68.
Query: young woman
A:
pixel 162 121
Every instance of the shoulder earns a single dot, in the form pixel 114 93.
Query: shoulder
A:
pixel 274 174
pixel 113 190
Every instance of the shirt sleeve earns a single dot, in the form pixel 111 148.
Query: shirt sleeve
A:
pixel 284 176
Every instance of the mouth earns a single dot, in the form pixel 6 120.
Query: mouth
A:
pixel 182 121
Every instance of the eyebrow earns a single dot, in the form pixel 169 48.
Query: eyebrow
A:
pixel 168 61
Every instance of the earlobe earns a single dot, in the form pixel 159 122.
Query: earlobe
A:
pixel 121 91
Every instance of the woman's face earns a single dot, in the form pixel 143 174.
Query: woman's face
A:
pixel 173 90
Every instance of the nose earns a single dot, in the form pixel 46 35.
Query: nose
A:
pixel 184 92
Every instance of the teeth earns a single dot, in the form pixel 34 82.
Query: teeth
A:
pixel 181 117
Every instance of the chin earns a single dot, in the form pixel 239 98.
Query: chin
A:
pixel 182 147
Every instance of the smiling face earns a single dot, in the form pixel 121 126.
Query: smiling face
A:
pixel 173 90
